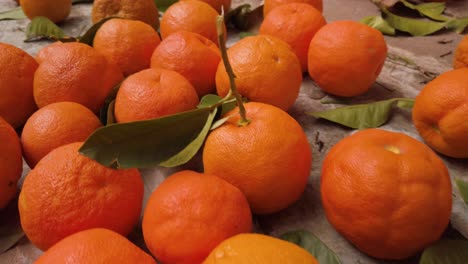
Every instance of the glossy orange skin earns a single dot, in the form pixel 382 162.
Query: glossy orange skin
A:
pixel 56 125
pixel 193 56
pixel 97 246
pixel 460 58
pixel 74 72
pixel 16 84
pixel 154 93
pixel 295 24
pixel 440 113
pixel 190 213
pixel 127 43
pixel 266 70
pixel 218 5
pixel 11 163
pixel 269 155
pixel 142 10
pixel 55 10
pixel 67 192
pixel 271 4
pixel 346 57
pixel 193 16
pixel 387 193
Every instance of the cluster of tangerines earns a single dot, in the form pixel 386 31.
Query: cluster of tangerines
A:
pixel 387 193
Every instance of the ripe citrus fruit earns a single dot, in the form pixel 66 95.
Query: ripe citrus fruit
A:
pixel 266 70
pixel 97 246
pixel 16 84
pixel 134 53
pixel 192 55
pixel 269 155
pixel 153 93
pixel 346 57
pixel 258 249
pixel 67 192
pixel 74 72
pixel 461 54
pixel 218 4
pixel 271 4
pixel 11 162
pixel 56 125
pixel 55 10
pixel 143 10
pixel 440 113
pixel 190 213
pixel 296 24
pixel 387 193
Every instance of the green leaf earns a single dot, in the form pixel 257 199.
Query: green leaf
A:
pixel 10 227
pixel 148 143
pixel 446 252
pixel 208 100
pixel 313 244
pixel 380 24
pixel 416 27
pixel 163 5
pixel 362 116
pixel 13 14
pixel 458 25
pixel 463 188
pixel 106 113
pixel 431 10
pixel 42 28
pixel 88 37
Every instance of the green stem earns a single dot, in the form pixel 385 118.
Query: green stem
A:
pixel 233 90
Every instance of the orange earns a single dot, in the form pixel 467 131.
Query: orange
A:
pixel 387 193
pixel 153 93
pixel 143 10
pixel 346 57
pixel 74 72
pixel 192 55
pixel 190 213
pixel 127 43
pixel 193 16
pixel 258 249
pixel 11 162
pixel 97 246
pixel 218 4
pixel 271 4
pixel 56 125
pixel 16 84
pixel 55 10
pixel 461 54
pixel 440 113
pixel 296 24
pixel 266 70
pixel 271 155
pixel 67 192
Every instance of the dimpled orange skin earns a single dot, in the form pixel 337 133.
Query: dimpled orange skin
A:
pixel 296 24
pixel 191 15
pixel 11 163
pixel 190 213
pixel 346 57
pixel 440 113
pixel 56 125
pixel 193 56
pixel 271 155
pixel 74 72
pixel 67 192
pixel 16 84
pixel 127 43
pixel 97 246
pixel 271 4
pixel 153 93
pixel 258 249
pixel 461 54
pixel 143 10
pixel 266 70
pixel 55 10
pixel 387 193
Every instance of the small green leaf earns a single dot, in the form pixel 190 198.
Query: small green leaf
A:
pixel 148 143
pixel 458 25
pixel 43 28
pixel 380 24
pixel 163 5
pixel 13 14
pixel 88 37
pixel 431 10
pixel 208 100
pixel 362 116
pixel 105 113
pixel 446 252
pixel 313 245
pixel 463 188
pixel 416 27
pixel 220 122
pixel 10 227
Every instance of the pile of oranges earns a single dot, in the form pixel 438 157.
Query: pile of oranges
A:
pixel 391 206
